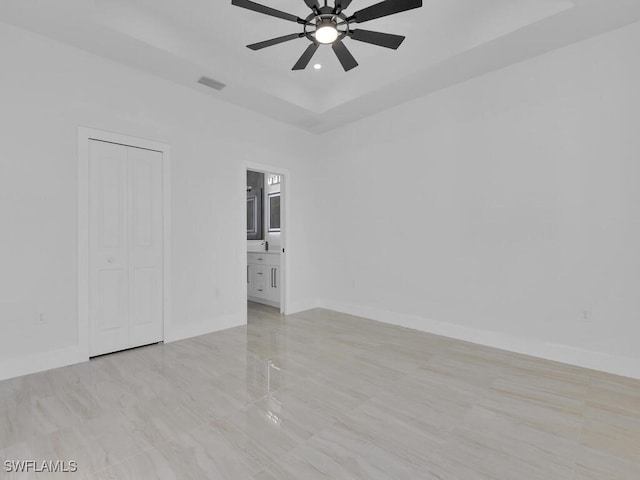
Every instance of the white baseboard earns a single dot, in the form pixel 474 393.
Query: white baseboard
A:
pixel 618 365
pixel 302 306
pixel 605 362
pixel 39 362
pixel 195 329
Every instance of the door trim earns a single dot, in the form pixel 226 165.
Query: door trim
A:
pixel 85 135
pixel 285 264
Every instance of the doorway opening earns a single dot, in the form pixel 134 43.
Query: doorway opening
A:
pixel 266 234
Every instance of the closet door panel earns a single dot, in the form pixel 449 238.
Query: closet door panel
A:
pixel 146 246
pixel 108 248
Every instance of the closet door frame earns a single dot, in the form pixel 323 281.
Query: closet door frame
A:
pixel 86 135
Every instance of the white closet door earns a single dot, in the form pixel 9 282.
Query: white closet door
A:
pixel 145 246
pixel 108 248
pixel 125 247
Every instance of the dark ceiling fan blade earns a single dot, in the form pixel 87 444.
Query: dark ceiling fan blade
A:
pixel 344 55
pixel 312 4
pixel 382 9
pixel 274 41
pixel 256 7
pixel 343 4
pixel 304 60
pixel 377 38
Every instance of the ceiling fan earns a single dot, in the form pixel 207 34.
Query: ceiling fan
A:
pixel 329 26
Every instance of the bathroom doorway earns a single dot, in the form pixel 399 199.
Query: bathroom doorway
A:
pixel 266 223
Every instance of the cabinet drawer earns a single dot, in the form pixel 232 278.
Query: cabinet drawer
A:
pixel 259 258
pixel 262 271
pixel 259 279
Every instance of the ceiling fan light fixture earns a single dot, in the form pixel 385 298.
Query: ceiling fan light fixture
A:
pixel 329 25
pixel 326 32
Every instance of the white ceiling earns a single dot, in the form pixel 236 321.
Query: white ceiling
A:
pixel 448 41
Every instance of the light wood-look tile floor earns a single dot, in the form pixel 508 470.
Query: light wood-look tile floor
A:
pixel 321 395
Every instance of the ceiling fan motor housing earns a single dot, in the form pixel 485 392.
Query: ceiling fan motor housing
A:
pixel 336 22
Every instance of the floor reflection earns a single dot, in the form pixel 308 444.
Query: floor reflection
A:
pixel 266 357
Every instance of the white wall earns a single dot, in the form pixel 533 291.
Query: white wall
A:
pixel 497 210
pixel 48 90
pixel 509 203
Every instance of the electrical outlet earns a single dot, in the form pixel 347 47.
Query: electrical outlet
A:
pixel 40 317
pixel 586 316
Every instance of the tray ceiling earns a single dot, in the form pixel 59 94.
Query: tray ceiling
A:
pixel 448 41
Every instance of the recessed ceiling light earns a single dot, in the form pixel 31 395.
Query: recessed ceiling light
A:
pixel 317 66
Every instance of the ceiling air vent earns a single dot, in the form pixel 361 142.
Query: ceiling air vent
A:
pixel 211 83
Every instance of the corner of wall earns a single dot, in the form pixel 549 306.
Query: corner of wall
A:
pixel 204 327
pixel 302 305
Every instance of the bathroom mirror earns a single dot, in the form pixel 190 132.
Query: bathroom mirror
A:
pixel 252 215
pixel 255 182
pixel 274 212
